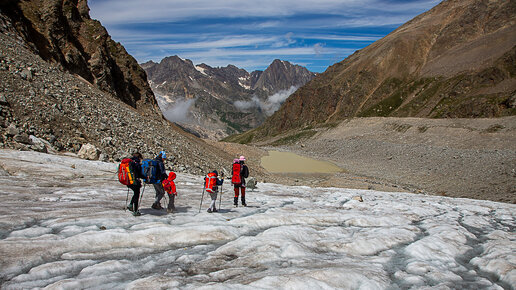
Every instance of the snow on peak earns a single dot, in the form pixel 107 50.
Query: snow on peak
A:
pixel 200 69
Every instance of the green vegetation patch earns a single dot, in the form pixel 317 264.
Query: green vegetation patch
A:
pixel 244 138
pixel 494 128
pixel 429 90
pixel 229 117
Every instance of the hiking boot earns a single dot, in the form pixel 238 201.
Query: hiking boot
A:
pixel 215 210
pixel 170 210
pixel 244 204
pixel 137 213
pixel 130 207
pixel 156 206
pixel 235 205
pixel 209 210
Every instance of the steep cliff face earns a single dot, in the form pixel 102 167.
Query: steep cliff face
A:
pixel 62 32
pixel 282 75
pixel 456 60
pixel 60 91
pixel 223 100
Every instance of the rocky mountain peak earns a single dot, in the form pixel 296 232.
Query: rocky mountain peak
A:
pixel 282 75
pixel 62 32
pixel 225 100
pixel 456 60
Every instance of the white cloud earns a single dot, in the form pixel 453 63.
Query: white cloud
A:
pixel 178 111
pixel 233 41
pixel 137 11
pixel 269 106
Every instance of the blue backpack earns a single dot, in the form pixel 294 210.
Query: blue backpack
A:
pixel 150 170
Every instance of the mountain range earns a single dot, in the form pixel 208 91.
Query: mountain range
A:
pixel 456 60
pixel 216 102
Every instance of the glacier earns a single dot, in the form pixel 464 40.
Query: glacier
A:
pixel 63 226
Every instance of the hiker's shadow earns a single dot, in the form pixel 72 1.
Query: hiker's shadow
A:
pixel 182 209
pixel 151 211
pixel 225 210
pixel 162 212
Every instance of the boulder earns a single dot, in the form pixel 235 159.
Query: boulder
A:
pixel 22 138
pixel 12 130
pixel 251 183
pixel 89 152
pixel 41 145
pixel 358 198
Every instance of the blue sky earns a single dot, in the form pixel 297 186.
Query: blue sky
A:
pixel 251 34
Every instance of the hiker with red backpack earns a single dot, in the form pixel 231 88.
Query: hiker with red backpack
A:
pixel 129 174
pixel 161 175
pixel 211 185
pixel 240 173
pixel 170 188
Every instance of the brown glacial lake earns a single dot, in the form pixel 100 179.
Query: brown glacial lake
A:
pixel 287 162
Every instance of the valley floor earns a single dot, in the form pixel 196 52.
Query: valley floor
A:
pixel 62 226
pixel 471 158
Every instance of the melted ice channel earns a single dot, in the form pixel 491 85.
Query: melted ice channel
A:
pixel 62 226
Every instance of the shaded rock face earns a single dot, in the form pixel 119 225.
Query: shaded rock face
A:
pixel 62 32
pixel 49 106
pixel 456 60
pixel 222 100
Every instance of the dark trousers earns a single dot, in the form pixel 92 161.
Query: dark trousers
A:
pixel 136 195
pixel 171 198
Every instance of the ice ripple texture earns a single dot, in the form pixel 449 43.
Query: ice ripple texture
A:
pixel 62 226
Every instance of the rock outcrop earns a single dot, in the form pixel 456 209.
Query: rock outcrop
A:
pixel 53 99
pixel 62 32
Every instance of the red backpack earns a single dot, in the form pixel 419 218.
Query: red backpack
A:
pixel 169 184
pixel 210 181
pixel 125 172
pixel 237 168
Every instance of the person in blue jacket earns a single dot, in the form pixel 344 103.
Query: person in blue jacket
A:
pixel 158 187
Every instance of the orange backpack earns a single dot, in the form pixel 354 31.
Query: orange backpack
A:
pixel 125 172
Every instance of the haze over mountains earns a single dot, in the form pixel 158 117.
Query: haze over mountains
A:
pixel 216 102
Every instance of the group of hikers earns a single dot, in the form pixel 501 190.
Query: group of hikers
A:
pixel 132 171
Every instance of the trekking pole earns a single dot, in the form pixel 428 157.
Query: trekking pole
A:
pixel 201 199
pixel 141 197
pixel 220 199
pixel 126 199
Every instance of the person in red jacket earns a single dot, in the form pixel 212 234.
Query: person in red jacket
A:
pixel 238 179
pixel 170 187
pixel 211 185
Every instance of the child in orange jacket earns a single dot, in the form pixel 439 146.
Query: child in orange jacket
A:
pixel 170 187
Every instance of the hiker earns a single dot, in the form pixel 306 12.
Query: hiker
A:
pixel 211 184
pixel 162 175
pixel 136 168
pixel 170 188
pixel 240 173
